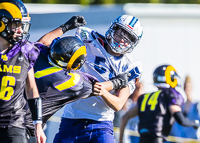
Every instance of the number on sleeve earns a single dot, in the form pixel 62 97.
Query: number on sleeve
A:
pixel 70 82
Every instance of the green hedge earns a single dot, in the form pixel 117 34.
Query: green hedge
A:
pixel 88 2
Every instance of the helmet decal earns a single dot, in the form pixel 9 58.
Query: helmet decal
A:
pixel 12 9
pixel 132 23
pixel 77 53
pixel 166 76
pixel 169 81
pixel 2 26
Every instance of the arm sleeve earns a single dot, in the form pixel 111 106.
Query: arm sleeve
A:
pixel 179 117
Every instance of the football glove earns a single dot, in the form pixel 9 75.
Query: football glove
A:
pixel 120 81
pixel 73 22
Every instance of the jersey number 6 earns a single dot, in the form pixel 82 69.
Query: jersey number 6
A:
pixel 6 90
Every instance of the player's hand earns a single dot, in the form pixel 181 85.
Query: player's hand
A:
pixel 40 136
pixel 73 22
pixel 98 89
pixel 120 81
pixel 196 124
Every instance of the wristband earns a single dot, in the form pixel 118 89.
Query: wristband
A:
pixel 35 105
pixel 37 122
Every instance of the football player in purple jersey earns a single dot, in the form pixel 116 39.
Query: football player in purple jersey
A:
pixel 158 110
pixel 57 76
pixel 16 74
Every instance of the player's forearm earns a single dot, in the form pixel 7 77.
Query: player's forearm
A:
pixel 179 117
pixel 124 121
pixel 31 87
pixel 107 85
pixel 49 37
pixel 112 101
pixel 133 112
pixel 40 135
pixel 116 102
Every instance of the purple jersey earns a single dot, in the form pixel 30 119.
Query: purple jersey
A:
pixel 14 66
pixel 154 114
pixel 57 87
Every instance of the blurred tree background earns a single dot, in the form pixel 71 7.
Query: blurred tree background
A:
pixel 90 2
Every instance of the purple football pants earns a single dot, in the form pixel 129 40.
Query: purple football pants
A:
pixel 84 131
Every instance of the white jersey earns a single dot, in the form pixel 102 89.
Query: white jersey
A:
pixel 103 66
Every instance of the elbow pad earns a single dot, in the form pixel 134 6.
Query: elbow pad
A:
pixel 184 121
pixel 35 105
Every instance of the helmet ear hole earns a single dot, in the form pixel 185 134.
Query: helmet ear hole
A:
pixel 78 62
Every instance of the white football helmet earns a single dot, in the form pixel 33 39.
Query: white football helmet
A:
pixel 130 25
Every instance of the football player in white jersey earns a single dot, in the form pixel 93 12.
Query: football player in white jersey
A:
pixel 91 119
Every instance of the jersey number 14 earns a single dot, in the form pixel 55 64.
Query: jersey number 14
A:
pixel 150 99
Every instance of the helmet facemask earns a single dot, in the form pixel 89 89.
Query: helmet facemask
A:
pixel 18 30
pixel 120 39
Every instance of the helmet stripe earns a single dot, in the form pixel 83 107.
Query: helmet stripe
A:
pixel 78 53
pixel 12 9
pixel 133 21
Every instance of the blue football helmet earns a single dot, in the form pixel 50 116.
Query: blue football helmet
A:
pixel 131 27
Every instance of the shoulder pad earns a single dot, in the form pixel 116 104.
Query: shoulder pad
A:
pixel 173 96
pixel 31 52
